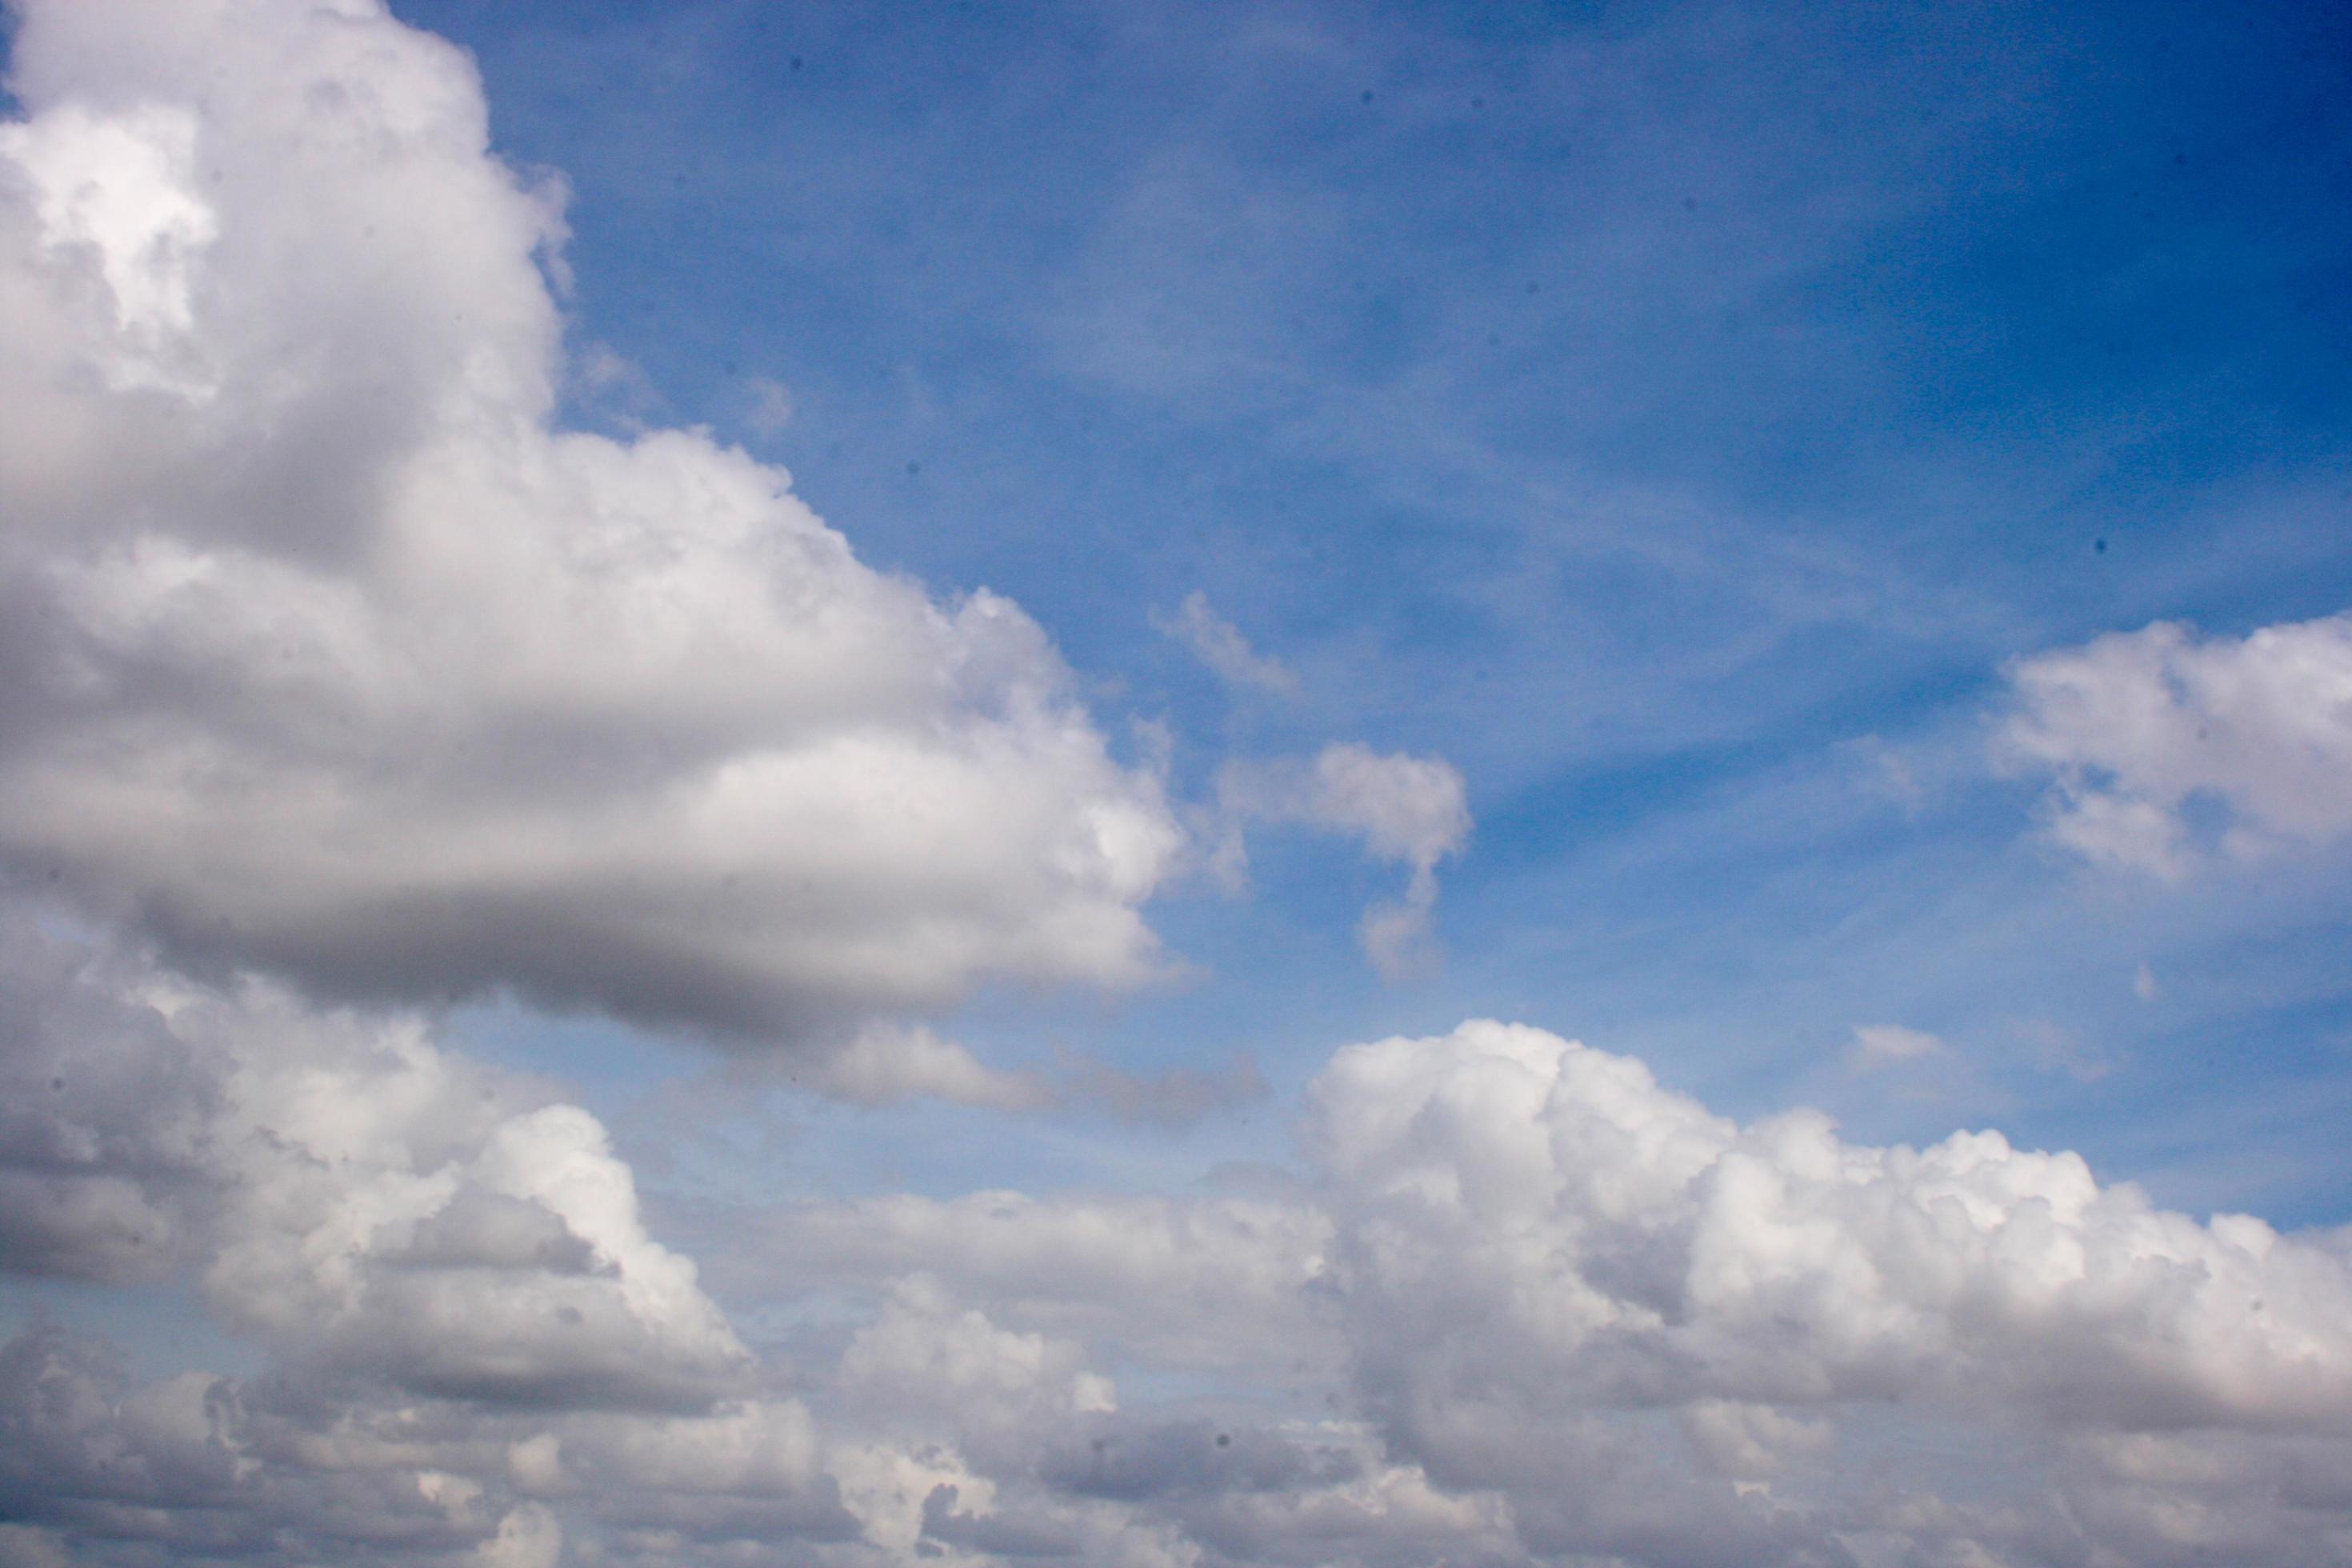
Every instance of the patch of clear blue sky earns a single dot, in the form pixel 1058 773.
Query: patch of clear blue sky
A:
pixel 1641 406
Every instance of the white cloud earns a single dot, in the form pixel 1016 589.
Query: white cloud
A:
pixel 350 1195
pixel 1517 1255
pixel 2139 727
pixel 1641 1248
pixel 1531 1233
pixel 1407 809
pixel 926 1354
pixel 1880 1045
pixel 529 1537
pixel 1558 1311
pixel 331 656
pixel 1219 643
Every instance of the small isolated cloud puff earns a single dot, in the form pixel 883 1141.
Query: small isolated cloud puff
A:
pixel 769 405
pixel 330 655
pixel 1881 1045
pixel 2139 727
pixel 1219 643
pixel 1406 809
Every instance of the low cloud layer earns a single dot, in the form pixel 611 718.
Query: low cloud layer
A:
pixel 2141 729
pixel 1523 1305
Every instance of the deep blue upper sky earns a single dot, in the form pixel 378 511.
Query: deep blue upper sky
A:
pixel 1675 416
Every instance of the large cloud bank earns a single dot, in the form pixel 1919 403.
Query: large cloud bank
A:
pixel 1524 1306
pixel 344 683
pixel 329 655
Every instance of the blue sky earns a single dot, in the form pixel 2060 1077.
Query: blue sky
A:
pixel 1675 418
pixel 825 784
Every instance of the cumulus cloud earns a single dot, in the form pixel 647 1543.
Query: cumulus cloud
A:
pixel 1652 1251
pixel 1554 1310
pixel 2141 729
pixel 1565 1312
pixel 1219 643
pixel 348 1193
pixel 1408 810
pixel 1784 1294
pixel 332 657
pixel 932 1357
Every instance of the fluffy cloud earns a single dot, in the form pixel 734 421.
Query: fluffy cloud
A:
pixel 331 656
pixel 350 1195
pixel 1648 1252
pixel 1532 1235
pixel 1406 809
pixel 2140 728
pixel 1526 1306
pixel 1580 1317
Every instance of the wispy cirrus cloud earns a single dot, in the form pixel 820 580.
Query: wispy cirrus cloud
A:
pixel 1219 643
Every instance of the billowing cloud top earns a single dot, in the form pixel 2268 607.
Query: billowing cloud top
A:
pixel 332 657
pixel 1649 1252
pixel 1559 1312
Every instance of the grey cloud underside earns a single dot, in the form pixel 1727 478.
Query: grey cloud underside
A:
pixel 331 656
pixel 369 1204
pixel 1527 1306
